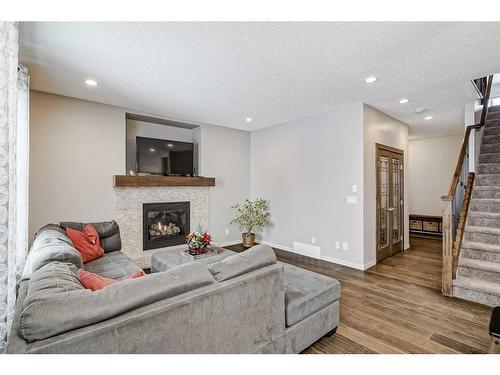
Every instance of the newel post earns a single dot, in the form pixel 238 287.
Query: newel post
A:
pixel 447 227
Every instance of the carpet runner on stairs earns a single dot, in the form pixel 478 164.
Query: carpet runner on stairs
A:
pixel 478 272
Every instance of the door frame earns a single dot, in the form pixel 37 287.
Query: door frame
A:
pixel 381 147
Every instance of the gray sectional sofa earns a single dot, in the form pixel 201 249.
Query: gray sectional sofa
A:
pixel 231 306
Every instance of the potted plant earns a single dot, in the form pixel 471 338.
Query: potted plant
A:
pixel 251 217
pixel 197 242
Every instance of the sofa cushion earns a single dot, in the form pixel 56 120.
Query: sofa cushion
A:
pixel 109 233
pixel 113 265
pixel 256 257
pixel 50 245
pixel 56 302
pixel 307 292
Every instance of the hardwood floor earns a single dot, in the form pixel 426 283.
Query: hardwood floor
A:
pixel 397 306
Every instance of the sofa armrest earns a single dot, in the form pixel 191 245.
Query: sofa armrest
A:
pixel 239 315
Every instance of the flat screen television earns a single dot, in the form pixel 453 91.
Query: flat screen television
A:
pixel 164 157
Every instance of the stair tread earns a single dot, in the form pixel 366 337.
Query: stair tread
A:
pixel 477 285
pixel 481 246
pixel 490 215
pixel 481 229
pixel 486 187
pixel 479 264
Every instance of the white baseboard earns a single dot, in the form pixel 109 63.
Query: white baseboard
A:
pixel 343 262
pixel 281 247
pixel 406 247
pixel 325 258
pixel 370 264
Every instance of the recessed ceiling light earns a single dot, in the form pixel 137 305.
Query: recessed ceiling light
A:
pixel 403 101
pixel 249 119
pixel 152 149
pixel 428 118
pixel 170 145
pixel 91 82
pixel 370 79
pixel 419 109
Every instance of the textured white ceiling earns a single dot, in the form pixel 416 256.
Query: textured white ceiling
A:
pixel 221 73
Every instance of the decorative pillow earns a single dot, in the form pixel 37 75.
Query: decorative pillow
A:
pixel 109 233
pixel 95 282
pixel 86 242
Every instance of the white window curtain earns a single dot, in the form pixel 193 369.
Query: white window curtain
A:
pixel 14 129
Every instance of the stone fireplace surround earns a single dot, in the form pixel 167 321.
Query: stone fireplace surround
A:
pixel 129 209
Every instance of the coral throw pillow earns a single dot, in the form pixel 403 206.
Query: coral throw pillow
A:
pixel 86 242
pixel 95 282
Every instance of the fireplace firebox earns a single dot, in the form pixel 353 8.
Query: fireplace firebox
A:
pixel 165 224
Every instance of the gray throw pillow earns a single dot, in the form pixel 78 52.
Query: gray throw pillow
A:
pixel 254 258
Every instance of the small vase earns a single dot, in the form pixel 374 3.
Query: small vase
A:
pixel 248 239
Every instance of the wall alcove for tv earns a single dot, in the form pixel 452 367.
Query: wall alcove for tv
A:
pixel 174 133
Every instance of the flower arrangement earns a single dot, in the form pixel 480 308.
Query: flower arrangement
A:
pixel 198 241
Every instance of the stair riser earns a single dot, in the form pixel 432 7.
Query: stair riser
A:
pixel 479 274
pixel 493 114
pixel 489 158
pixel 491 168
pixel 484 205
pixel 490 148
pixel 487 180
pixel 480 255
pixel 490 139
pixel 492 130
pixel 476 296
pixel 492 123
pixel 482 237
pixel 492 194
pixel 483 221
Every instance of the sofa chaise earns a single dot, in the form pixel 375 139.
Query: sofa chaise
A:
pixel 246 303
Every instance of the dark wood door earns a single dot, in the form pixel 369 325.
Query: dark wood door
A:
pixel 390 182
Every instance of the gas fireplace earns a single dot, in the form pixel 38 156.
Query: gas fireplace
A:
pixel 165 224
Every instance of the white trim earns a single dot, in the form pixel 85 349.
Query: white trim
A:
pixel 406 247
pixel 370 264
pixel 343 262
pixel 326 258
pixel 281 247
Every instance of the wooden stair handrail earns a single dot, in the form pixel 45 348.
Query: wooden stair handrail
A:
pixel 463 150
pixel 486 100
pixel 461 224
pixel 458 168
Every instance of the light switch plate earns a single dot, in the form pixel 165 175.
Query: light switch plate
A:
pixel 352 199
pixel 354 188
pixel 337 244
pixel 344 246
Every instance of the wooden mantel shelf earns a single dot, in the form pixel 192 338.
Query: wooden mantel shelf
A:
pixel 158 181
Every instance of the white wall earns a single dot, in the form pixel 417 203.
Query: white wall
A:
pixel 77 146
pixel 383 129
pixel 305 169
pixel 135 128
pixel 225 155
pixel 75 149
pixel 432 163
